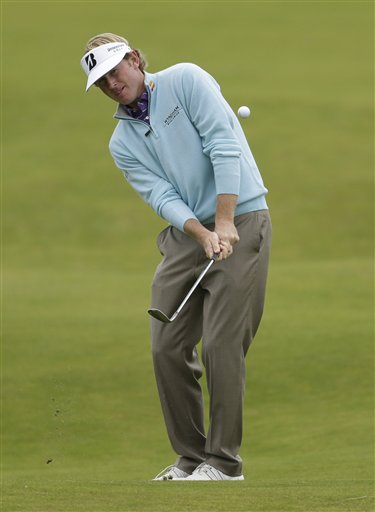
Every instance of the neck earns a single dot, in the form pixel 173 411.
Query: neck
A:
pixel 134 103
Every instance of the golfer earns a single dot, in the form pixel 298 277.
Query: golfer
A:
pixel 182 149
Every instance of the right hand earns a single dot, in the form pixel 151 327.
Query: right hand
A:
pixel 211 244
pixel 209 240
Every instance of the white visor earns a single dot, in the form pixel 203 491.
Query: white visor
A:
pixel 98 61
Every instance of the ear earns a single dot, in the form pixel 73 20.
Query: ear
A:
pixel 134 59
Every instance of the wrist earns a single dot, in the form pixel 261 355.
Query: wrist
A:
pixel 221 221
pixel 225 208
pixel 195 229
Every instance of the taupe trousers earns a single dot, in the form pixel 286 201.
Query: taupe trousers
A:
pixel 225 312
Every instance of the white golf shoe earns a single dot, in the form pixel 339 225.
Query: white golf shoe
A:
pixel 206 472
pixel 172 473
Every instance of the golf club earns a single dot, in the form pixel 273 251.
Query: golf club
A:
pixel 159 315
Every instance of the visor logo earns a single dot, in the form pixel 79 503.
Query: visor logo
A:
pixel 90 61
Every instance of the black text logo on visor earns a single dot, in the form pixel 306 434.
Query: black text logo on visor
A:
pixel 90 61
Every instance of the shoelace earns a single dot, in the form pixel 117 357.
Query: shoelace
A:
pixel 207 470
pixel 165 471
pixel 200 467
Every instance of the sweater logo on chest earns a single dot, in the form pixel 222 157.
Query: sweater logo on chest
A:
pixel 172 116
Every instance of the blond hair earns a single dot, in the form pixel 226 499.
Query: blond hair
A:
pixel 108 37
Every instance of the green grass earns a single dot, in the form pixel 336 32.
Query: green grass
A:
pixel 120 495
pixel 80 253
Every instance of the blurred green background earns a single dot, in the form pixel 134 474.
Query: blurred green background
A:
pixel 79 255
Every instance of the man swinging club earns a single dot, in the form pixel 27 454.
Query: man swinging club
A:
pixel 182 149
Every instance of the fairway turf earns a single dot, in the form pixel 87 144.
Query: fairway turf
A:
pixel 82 427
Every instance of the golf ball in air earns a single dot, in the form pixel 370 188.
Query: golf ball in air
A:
pixel 243 111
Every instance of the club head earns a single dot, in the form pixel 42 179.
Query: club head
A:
pixel 159 315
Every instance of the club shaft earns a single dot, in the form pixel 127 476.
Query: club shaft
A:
pixel 202 274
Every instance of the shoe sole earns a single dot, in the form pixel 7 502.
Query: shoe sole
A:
pixel 233 479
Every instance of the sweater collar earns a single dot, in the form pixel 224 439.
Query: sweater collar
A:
pixel 150 83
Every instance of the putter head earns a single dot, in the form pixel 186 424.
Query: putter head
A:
pixel 159 315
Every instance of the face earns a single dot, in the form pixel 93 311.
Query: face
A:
pixel 125 82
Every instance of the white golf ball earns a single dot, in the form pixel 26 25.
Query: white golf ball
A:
pixel 243 111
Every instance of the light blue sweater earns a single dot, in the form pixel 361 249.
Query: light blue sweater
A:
pixel 194 149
